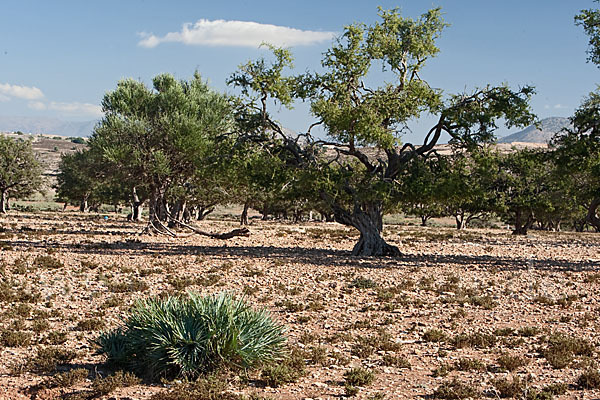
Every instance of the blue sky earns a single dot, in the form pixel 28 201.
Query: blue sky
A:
pixel 58 58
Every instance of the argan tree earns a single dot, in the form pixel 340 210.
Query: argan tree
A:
pixel 578 149
pixel 20 172
pixel 578 152
pixel 83 180
pixel 421 188
pixel 158 138
pixel 469 185
pixel 364 122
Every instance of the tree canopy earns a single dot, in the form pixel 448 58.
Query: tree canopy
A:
pixel 357 115
pixel 20 172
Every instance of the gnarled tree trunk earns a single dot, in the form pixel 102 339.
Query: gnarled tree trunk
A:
pixel 203 212
pixel 83 205
pixel 368 220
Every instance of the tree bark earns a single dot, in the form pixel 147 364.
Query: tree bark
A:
pixel 3 201
pixel 461 223
pixel 244 216
pixel 522 223
pixel 368 220
pixel 83 206
pixel 203 212
pixel 136 206
pixel 424 219
pixel 592 214
pixel 158 210
pixel 579 225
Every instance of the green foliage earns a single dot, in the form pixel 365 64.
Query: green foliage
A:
pixel 48 359
pixel 159 140
pixel 590 20
pixel 349 183
pixel 212 387
pixel 578 156
pixel 510 388
pixel 356 377
pixel 86 180
pixel 561 350
pixel 68 378
pixel 20 172
pixel 192 335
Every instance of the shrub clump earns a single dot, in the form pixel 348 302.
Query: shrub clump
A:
pixel 455 390
pixel 288 370
pixel 357 377
pixel 561 350
pixel 192 335
pixel 104 386
pixel 589 379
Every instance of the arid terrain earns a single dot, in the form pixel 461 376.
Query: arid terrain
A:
pixel 500 314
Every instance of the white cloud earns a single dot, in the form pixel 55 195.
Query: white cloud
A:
pixel 76 108
pixel 22 92
pixel 555 106
pixel 4 98
pixel 36 105
pixel 68 108
pixel 236 33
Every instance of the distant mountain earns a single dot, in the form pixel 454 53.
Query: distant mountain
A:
pixel 548 127
pixel 48 126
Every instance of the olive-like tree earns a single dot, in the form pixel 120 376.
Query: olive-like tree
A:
pixel 159 138
pixel 364 122
pixel 20 172
pixel 578 152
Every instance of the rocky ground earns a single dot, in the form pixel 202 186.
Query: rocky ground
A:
pixel 478 313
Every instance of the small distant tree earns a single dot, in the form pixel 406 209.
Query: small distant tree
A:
pixel 84 180
pixel 421 190
pixel 20 172
pixel 469 185
pixel 525 187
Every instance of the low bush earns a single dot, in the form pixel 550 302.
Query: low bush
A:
pixel 455 390
pixel 589 379
pixel 104 386
pixel 192 335
pixel 289 370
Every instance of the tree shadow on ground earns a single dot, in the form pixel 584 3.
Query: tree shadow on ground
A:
pixel 316 256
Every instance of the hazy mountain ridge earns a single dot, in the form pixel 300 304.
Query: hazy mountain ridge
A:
pixel 48 126
pixel 543 133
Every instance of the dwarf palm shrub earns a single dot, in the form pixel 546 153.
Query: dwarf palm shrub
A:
pixel 192 335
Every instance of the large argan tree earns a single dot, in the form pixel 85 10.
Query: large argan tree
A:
pixel 161 138
pixel 364 122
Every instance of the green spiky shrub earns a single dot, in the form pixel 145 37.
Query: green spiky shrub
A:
pixel 192 335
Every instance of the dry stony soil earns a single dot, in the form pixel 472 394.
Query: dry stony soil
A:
pixel 478 313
